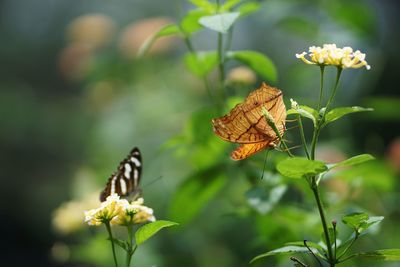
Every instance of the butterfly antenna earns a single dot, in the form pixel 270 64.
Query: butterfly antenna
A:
pixel 265 164
pixel 152 182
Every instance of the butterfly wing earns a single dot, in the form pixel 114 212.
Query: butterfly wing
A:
pixel 125 181
pixel 234 127
pixel 246 150
pixel 270 98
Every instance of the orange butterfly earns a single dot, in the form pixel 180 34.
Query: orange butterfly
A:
pixel 245 124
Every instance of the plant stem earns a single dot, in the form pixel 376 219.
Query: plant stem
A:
pixel 348 247
pixel 229 39
pixel 129 252
pixel 318 126
pixel 309 249
pixel 221 59
pixel 338 73
pixel 189 45
pixel 314 184
pixel 107 224
pixel 314 188
pixel 221 65
pixel 321 87
pixel 334 232
pixel 314 140
pixel 303 138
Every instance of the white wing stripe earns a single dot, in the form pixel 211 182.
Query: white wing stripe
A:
pixel 136 161
pixel 114 179
pixel 135 177
pixel 123 186
pixel 128 170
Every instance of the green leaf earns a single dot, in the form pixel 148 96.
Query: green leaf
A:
pixel 256 61
pixel 190 22
pixel 122 244
pixel 205 5
pixel 248 8
pixel 227 6
pixel 381 255
pixel 298 167
pixel 150 229
pixel 337 113
pixel 220 22
pixel 171 29
pixel 342 247
pixel 283 251
pixel 355 220
pixel 201 63
pixel 372 221
pixel 360 221
pixel 305 112
pixel 194 194
pixel 310 244
pixel 352 161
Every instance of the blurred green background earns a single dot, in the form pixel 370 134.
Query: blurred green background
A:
pixel 74 100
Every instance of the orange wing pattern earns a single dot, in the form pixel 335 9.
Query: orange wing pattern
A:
pixel 246 150
pixel 245 123
pixel 235 127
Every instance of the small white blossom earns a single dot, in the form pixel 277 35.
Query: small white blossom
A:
pixel 134 213
pixel 294 104
pixel 329 54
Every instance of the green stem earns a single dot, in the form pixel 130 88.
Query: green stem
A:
pixel 229 39
pixel 312 253
pixel 321 87
pixel 348 247
pixel 338 73
pixel 314 188
pixel 221 65
pixel 189 45
pixel 314 140
pixel 107 224
pixel 335 237
pixel 221 59
pixel 129 252
pixel 348 258
pixel 318 126
pixel 303 138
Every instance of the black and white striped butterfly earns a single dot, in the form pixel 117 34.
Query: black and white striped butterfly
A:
pixel 125 181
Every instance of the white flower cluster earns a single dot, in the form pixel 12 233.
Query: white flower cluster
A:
pixel 120 212
pixel 329 54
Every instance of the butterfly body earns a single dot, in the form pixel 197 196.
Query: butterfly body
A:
pixel 125 181
pixel 245 123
